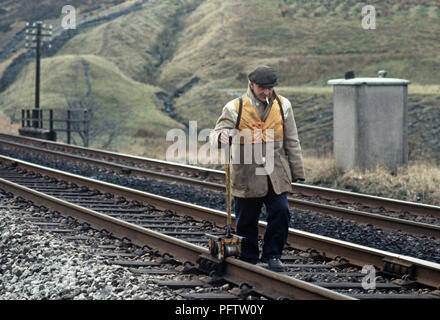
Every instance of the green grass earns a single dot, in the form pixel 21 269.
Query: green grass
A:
pixel 131 42
pixel 118 106
pixel 168 43
pixel 307 49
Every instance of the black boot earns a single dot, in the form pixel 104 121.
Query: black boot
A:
pixel 274 264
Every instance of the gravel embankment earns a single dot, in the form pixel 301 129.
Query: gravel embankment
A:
pixel 36 265
pixel 420 247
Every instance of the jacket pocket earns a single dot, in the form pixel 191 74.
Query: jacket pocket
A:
pixel 285 164
pixel 240 176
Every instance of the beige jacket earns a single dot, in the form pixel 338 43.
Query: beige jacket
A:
pixel 287 163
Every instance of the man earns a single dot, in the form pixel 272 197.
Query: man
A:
pixel 269 121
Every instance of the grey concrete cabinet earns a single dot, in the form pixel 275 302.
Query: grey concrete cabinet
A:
pixel 370 122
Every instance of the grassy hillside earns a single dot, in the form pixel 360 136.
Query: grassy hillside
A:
pixel 120 108
pixel 135 43
pixel 313 42
pixel 213 44
pixel 15 13
pixel 216 41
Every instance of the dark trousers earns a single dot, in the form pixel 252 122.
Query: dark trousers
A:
pixel 247 213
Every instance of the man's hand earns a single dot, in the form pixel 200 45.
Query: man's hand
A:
pixel 224 136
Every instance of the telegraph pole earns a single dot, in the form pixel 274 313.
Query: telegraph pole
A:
pixel 37 73
pixel 37 33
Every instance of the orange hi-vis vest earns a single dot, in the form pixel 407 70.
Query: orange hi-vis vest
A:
pixel 251 126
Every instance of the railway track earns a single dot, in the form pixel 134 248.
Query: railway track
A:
pixel 381 212
pixel 86 263
pixel 179 229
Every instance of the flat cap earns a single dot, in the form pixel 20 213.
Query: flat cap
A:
pixel 264 76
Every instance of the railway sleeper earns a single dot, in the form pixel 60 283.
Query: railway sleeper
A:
pixel 216 269
pixel 211 265
pixel 209 296
pixel 190 268
pixel 391 296
pixel 398 268
pixel 153 271
pixel 181 284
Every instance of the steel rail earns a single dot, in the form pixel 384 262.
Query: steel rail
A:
pixel 123 169
pixel 350 214
pixel 427 273
pixel 309 190
pixel 263 281
pixel 179 167
pixel 421 209
pixel 375 219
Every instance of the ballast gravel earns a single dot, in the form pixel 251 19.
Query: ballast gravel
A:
pixel 39 265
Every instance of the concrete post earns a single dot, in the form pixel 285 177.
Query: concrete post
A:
pixel 370 122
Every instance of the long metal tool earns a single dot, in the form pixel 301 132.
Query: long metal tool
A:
pixel 228 191
pixel 229 245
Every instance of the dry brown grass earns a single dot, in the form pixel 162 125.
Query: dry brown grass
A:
pixel 149 147
pixel 418 181
pixel 320 170
pixel 7 126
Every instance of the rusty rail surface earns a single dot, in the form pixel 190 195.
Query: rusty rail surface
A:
pixel 197 176
pixel 266 282
pixel 426 273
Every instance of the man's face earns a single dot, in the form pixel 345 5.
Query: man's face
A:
pixel 261 92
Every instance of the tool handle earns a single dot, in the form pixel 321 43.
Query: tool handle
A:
pixel 228 190
pixel 228 195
